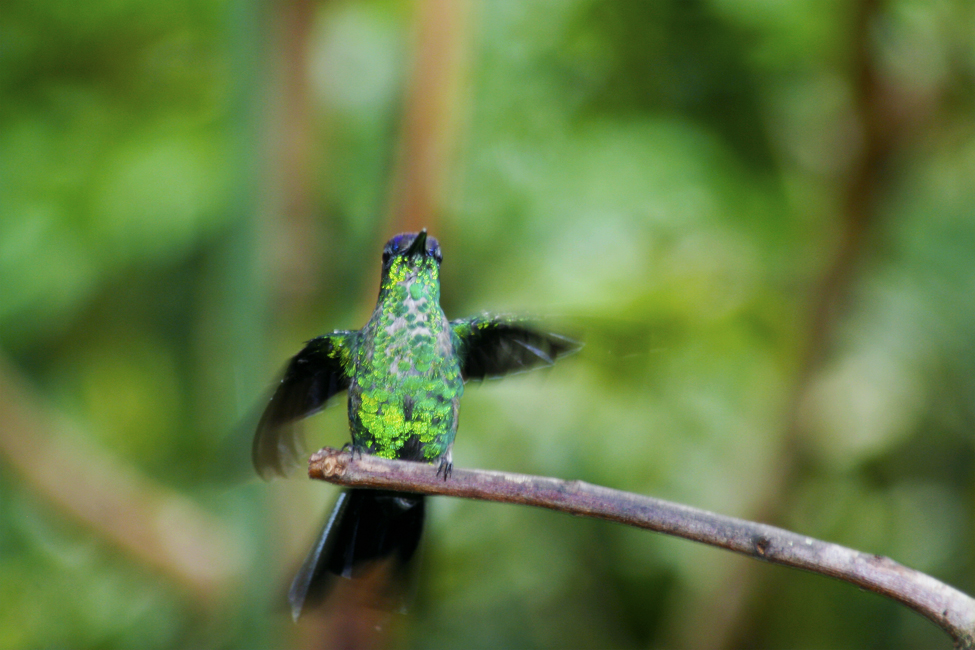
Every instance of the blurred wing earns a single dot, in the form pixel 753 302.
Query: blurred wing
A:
pixel 491 347
pixel 312 376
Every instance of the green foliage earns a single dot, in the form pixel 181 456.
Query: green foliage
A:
pixel 667 181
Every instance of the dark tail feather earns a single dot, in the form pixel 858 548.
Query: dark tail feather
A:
pixel 365 527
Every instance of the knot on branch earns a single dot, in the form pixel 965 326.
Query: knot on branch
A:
pixel 762 545
pixel 328 463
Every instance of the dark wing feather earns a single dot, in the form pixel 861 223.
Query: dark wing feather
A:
pixel 492 347
pixel 312 376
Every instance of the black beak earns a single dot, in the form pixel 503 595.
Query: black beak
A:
pixel 419 245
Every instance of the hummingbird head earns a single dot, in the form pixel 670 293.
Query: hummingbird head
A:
pixel 413 247
pixel 411 256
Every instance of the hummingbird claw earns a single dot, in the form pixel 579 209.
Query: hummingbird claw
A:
pixel 353 449
pixel 446 467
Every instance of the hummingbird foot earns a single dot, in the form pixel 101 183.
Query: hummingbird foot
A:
pixel 355 450
pixel 446 467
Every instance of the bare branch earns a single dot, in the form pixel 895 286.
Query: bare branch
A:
pixel 947 607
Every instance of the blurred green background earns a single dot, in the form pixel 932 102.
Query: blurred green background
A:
pixel 760 216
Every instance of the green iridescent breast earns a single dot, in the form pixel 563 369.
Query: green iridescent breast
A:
pixel 406 387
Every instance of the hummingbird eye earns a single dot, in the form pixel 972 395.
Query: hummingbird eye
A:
pixel 386 256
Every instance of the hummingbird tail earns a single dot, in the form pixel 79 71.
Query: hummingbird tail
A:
pixel 366 529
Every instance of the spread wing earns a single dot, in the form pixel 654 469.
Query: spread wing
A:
pixel 494 346
pixel 313 375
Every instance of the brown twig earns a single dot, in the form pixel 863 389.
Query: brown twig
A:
pixel 947 607
pixel 158 527
pixel 430 113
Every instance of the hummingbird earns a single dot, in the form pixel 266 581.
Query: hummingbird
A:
pixel 405 372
